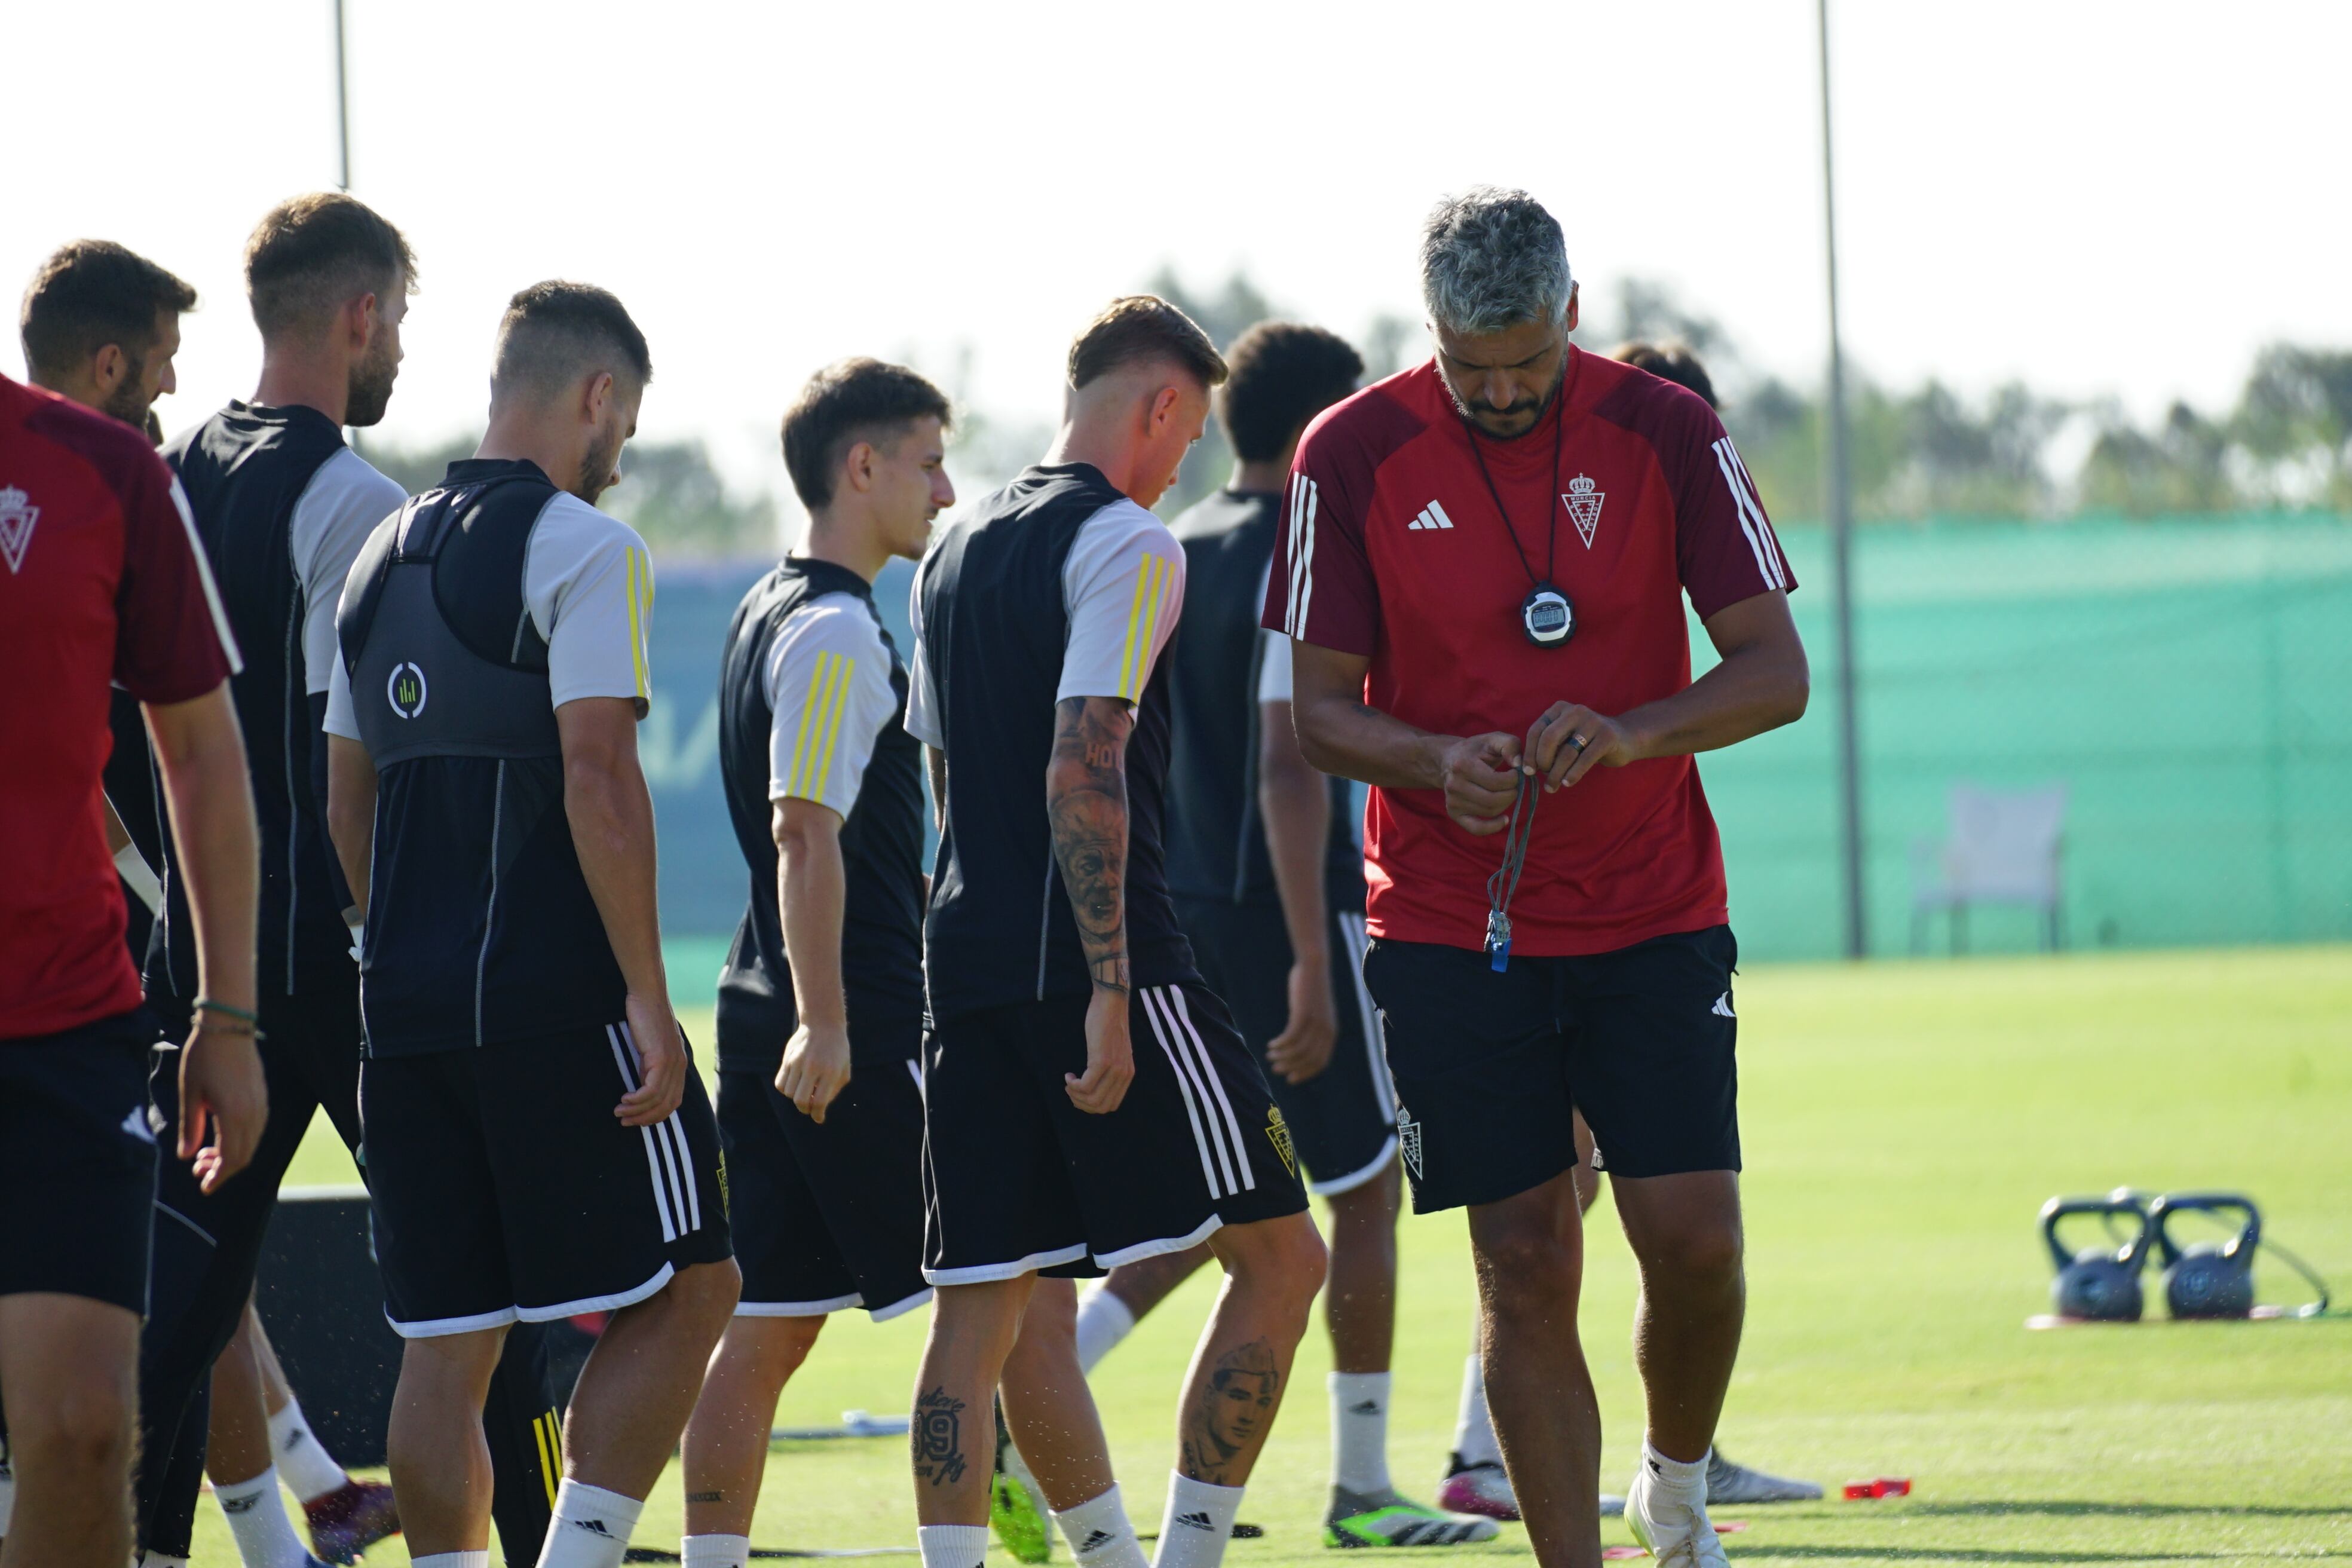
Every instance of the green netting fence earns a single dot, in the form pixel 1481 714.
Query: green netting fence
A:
pixel 2188 680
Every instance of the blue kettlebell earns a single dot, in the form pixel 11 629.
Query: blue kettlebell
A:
pixel 2098 1283
pixel 2208 1279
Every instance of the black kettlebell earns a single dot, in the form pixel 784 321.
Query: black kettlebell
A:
pixel 2208 1279
pixel 2101 1284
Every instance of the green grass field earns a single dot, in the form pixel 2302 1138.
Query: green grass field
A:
pixel 1903 1122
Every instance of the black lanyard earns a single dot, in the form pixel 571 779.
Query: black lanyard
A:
pixel 1545 614
pixel 1505 882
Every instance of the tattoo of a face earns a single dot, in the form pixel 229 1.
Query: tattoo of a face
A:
pixel 1088 806
pixel 1225 1429
pixel 937 1438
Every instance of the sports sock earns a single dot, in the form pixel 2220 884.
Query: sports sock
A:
pixel 952 1546
pixel 590 1528
pixel 452 1559
pixel 1360 1432
pixel 1100 1533
pixel 716 1550
pixel 7 1491
pixel 1199 1522
pixel 301 1459
pixel 1685 1480
pixel 157 1560
pixel 257 1518
pixel 1103 1321
pixel 1473 1429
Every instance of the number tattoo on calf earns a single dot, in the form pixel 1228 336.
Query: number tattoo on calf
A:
pixel 938 1438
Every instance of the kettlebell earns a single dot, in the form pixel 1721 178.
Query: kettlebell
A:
pixel 2101 1284
pixel 2208 1279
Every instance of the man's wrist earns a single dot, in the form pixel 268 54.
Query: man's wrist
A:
pixel 1109 973
pixel 1429 759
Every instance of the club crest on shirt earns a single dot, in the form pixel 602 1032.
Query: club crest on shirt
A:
pixel 1583 503
pixel 1277 1133
pixel 18 515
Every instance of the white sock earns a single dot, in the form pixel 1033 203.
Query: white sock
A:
pixel 1473 1429
pixel 1684 1480
pixel 257 1518
pixel 1100 1533
pixel 590 1528
pixel 1200 1522
pixel 301 1459
pixel 1103 1321
pixel 157 1560
pixel 7 1496
pixel 452 1559
pixel 1360 1432
pixel 952 1546
pixel 716 1550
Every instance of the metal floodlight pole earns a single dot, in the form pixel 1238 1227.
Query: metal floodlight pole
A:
pixel 1836 487
pixel 342 106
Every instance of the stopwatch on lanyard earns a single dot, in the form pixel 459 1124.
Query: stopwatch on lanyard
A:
pixel 1545 614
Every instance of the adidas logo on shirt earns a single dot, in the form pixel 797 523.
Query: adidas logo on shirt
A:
pixel 1432 516
pixel 1196 1520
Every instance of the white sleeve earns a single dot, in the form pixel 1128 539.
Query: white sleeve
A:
pixel 342 719
pixel 1274 669
pixel 332 519
pixel 589 584
pixel 828 681
pixel 1123 586
pixel 922 696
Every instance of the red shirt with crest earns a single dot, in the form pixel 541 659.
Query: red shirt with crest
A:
pixel 1392 548
pixel 102 582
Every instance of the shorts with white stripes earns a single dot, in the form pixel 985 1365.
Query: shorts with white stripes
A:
pixel 504 1188
pixel 1016 1179
pixel 1343 1119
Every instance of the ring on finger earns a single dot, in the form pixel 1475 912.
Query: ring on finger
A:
pixel 1579 743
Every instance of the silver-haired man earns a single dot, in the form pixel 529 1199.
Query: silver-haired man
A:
pixel 1483 574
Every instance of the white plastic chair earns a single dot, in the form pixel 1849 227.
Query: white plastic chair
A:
pixel 2001 848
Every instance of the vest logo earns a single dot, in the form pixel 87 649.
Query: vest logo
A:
pixel 18 515
pixel 1583 503
pixel 407 690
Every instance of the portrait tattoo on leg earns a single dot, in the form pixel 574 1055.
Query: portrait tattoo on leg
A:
pixel 1223 1429
pixel 938 1438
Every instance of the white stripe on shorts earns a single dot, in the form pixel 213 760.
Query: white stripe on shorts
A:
pixel 1351 932
pixel 661 1196
pixel 1209 1068
pixel 1160 1031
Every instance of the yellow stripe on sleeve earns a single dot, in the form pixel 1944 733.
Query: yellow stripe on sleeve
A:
pixel 798 783
pixel 844 668
pixel 1142 617
pixel 636 619
pixel 1151 624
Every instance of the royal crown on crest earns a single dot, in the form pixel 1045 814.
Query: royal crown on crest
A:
pixel 1583 503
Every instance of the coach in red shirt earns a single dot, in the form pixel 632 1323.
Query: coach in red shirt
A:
pixel 1482 569
pixel 101 580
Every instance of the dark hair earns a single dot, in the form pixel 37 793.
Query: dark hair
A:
pixel 848 402
pixel 1283 375
pixel 310 255
pixel 1673 362
pixel 555 332
pixel 1143 327
pixel 92 294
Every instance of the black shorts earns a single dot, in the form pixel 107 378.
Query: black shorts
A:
pixel 826 1217
pixel 1489 1067
pixel 78 1162
pixel 1343 1119
pixel 1016 1179
pixel 504 1188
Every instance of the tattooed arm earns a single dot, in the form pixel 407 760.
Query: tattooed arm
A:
pixel 1086 799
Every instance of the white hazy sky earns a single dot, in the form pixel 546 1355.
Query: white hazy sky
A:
pixel 2101 196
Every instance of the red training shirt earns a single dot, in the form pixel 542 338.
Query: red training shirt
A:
pixel 1392 548
pixel 101 579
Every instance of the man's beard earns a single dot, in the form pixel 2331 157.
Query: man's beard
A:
pixel 371 391
pixel 596 468
pixel 129 401
pixel 1534 408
